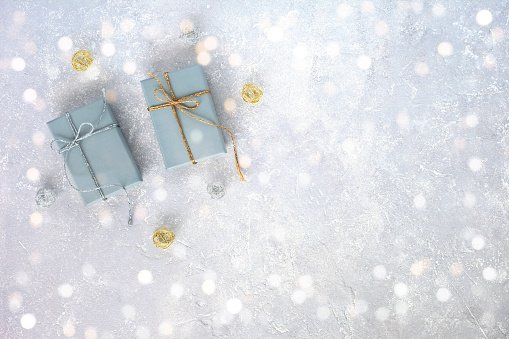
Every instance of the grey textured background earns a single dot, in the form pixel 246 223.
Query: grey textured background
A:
pixel 377 196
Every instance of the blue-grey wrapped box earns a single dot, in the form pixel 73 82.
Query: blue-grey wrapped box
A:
pixel 98 157
pixel 174 128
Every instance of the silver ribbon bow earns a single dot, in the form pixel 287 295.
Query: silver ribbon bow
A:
pixel 70 144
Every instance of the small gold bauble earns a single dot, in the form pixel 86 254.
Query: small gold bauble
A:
pixel 81 60
pixel 251 94
pixel 163 238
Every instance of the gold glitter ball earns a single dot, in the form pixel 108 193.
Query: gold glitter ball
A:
pixel 251 94
pixel 81 60
pixel 163 238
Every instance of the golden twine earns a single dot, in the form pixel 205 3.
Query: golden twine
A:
pixel 251 94
pixel 178 103
pixel 81 60
pixel 163 238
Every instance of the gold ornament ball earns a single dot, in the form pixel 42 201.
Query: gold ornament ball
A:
pixel 163 238
pixel 251 93
pixel 81 60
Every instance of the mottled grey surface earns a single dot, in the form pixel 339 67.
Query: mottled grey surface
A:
pixel 377 196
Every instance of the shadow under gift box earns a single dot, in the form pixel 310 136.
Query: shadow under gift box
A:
pixel 205 141
pixel 107 153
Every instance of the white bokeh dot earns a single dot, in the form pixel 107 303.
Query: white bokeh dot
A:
pixel 30 95
pixel 484 17
pixel 361 306
pixel 438 9
pixel 69 330
pixel 235 59
pixel 364 62
pixel 489 61
pixel 17 64
pixel 230 105
pixel 142 332
pixel 381 28
pixel 234 305
pixel 210 43
pixel 65 43
pixel 22 278
pixel 88 270
pixel 275 34
pixel 15 302
pixel 107 30
pixel 471 120
pixel 403 120
pixel 65 290
pixel 367 7
pixel 145 277
pixel 469 200
pixel 299 296
pixel 165 329
pixel 489 273
pixel 33 174
pixel 186 26
pixel 264 177
pixel 28 321
pixel 478 243
pixel 203 58
pixel 128 311
pixel 421 69
pixel 178 250
pixel 420 202
pixel 160 194
pixel 379 272
pixel 38 138
pixel 323 313
pixel 177 290
pixel 332 49
pixel 401 290
pixel 19 17
pixel 330 89
pixel 344 10
pixel 417 7
pixel 151 32
pixel 443 294
pixel 475 164
pixel 348 145
pixel 108 49
pixel 300 52
pixel 274 280
pixel 305 281
pixel 401 307
pixel 90 333
pixel 497 34
pixel 129 67
pixel 35 219
pixel 445 48
pixel 382 313
pixel 244 162
pixel 208 287
pixel 304 180
pixel 127 24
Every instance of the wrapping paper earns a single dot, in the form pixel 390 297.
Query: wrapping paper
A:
pixel 107 153
pixel 205 141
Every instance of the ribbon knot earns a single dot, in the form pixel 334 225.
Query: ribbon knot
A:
pixel 75 142
pixel 171 101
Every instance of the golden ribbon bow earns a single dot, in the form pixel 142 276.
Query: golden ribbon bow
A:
pixel 178 103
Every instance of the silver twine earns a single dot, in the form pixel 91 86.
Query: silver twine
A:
pixel 69 144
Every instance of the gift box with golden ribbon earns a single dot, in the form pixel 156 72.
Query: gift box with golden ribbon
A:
pixel 184 118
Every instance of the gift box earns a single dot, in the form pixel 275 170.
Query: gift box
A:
pixel 98 157
pixel 182 138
